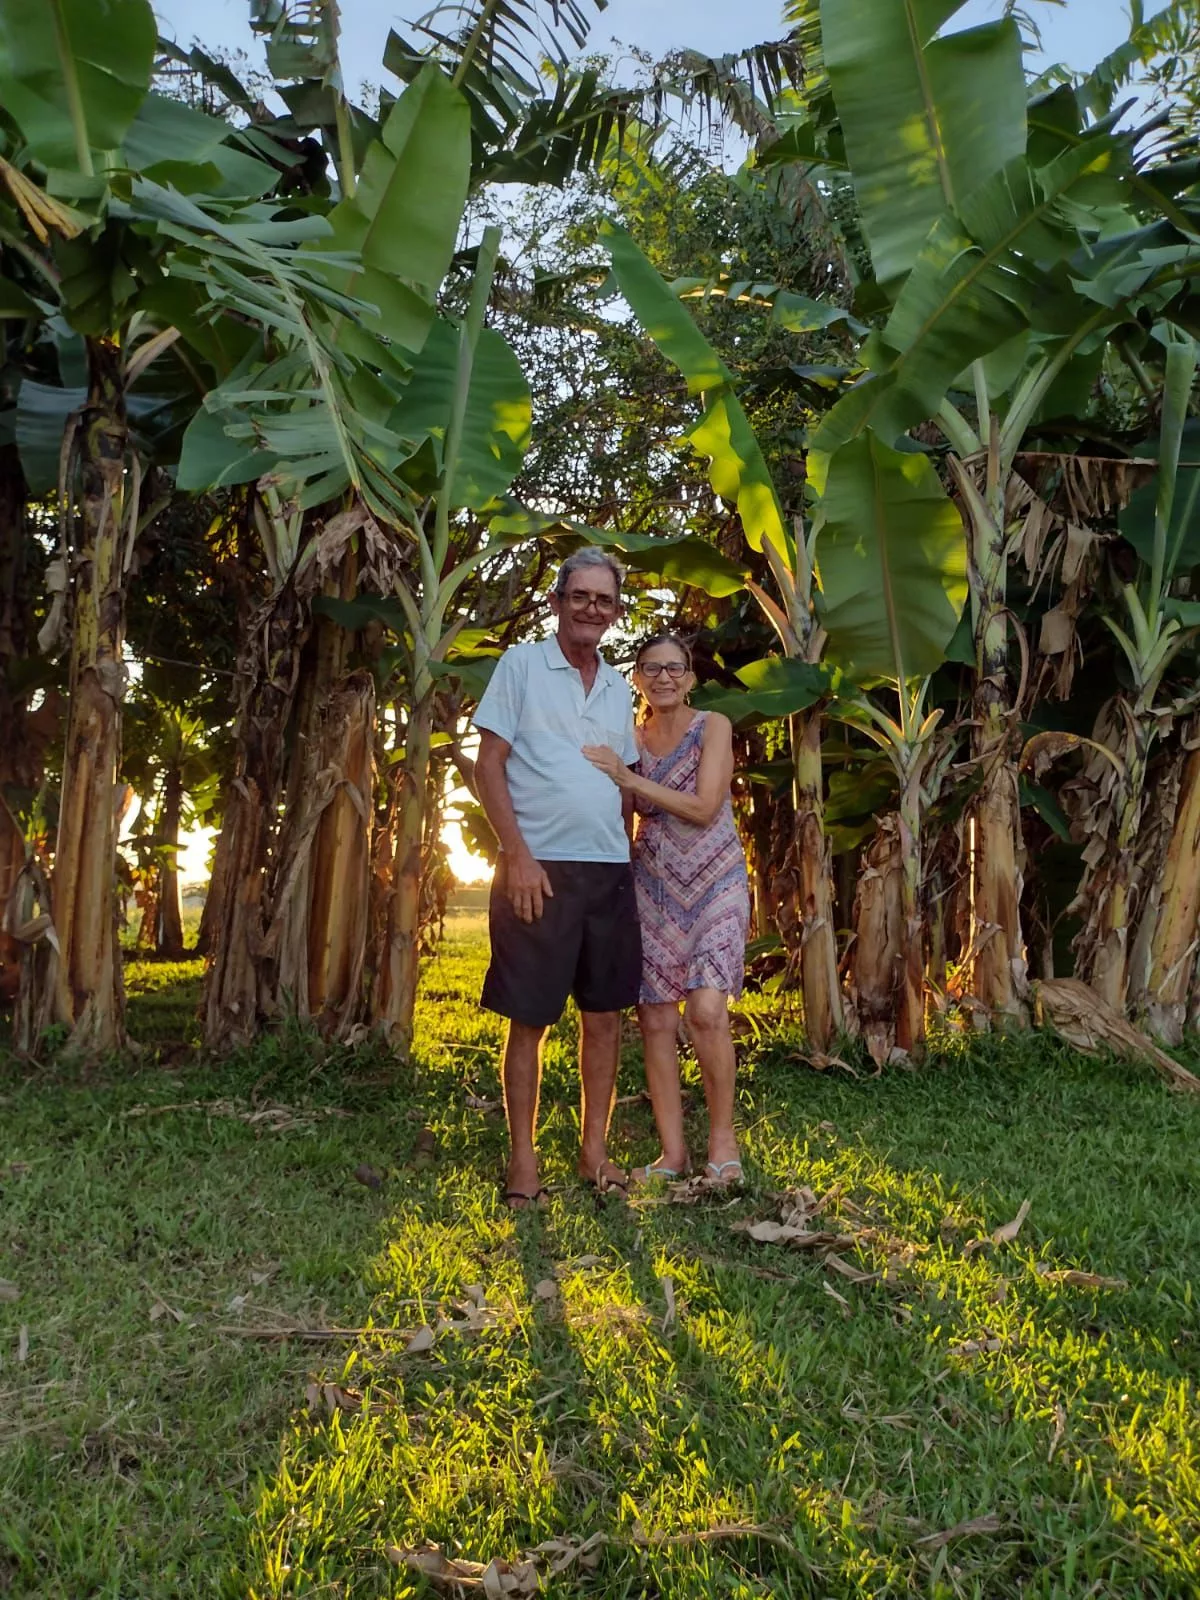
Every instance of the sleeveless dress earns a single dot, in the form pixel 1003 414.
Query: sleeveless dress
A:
pixel 692 890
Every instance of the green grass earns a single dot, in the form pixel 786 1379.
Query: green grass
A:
pixel 146 1453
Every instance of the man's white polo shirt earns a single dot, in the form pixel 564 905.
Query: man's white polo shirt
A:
pixel 566 809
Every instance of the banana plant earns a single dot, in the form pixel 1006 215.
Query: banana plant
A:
pixel 1156 627
pixel 887 545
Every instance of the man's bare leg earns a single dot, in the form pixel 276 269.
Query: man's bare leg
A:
pixel 599 1051
pixel 522 1073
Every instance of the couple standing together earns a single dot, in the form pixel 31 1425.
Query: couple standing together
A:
pixel 561 774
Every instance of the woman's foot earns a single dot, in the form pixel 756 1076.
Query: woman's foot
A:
pixel 662 1168
pixel 724 1174
pixel 522 1187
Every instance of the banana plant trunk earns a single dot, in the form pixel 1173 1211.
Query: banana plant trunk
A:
pixel 85 988
pixel 238 978
pixel 14 613
pixel 169 919
pixel 823 1013
pixel 910 976
pixel 1109 889
pixel 396 982
pixel 1173 904
pixel 878 937
pixel 997 946
pixel 320 901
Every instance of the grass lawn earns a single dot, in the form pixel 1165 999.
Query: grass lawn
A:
pixel 912 1414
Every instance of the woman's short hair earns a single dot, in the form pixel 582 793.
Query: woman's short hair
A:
pixel 586 558
pixel 663 638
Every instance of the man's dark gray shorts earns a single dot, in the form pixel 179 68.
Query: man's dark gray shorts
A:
pixel 586 943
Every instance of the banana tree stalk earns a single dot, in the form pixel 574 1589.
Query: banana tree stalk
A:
pixel 802 639
pixel 1152 640
pixel 87 994
pixel 890 942
pixel 1177 919
pixel 427 609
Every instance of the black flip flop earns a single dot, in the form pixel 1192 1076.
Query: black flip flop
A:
pixel 603 1186
pixel 531 1200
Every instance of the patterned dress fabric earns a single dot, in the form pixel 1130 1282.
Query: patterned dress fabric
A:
pixel 692 891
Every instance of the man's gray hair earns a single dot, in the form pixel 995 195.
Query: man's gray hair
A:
pixel 589 557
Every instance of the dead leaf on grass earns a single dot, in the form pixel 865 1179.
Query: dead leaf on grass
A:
pixel 160 1309
pixel 420 1342
pixel 1075 1278
pixel 332 1398
pixel 992 1522
pixel 475 1293
pixel 977 1347
pixel 1008 1231
pixel 789 1233
pixel 546 1289
pixel 366 1174
pixel 8 1292
pixel 424 1149
pixel 855 1274
pixel 498 1580
pixel 22 1344
pixel 846 1308
pixel 668 1289
pixel 1060 1429
pixel 477 1102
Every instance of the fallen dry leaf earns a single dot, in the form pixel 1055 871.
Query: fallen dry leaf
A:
pixel 1008 1231
pixel 992 1522
pixel 668 1289
pixel 22 1343
pixel 367 1176
pixel 847 1270
pixel 424 1149
pixel 846 1308
pixel 476 1293
pixel 1078 1014
pixel 546 1289
pixel 1060 1428
pixel 420 1342
pixel 497 1580
pixel 160 1308
pixel 332 1397
pixel 976 1347
pixel 476 1102
pixel 8 1292
pixel 1078 1279
pixel 789 1233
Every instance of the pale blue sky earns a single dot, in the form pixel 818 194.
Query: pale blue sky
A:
pixel 1078 33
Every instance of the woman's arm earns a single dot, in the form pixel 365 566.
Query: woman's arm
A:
pixel 713 778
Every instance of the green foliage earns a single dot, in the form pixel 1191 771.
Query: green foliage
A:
pixel 73 74
pixel 892 562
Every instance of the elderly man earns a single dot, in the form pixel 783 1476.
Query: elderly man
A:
pixel 562 918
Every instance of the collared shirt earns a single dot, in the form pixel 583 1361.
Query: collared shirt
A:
pixel 566 809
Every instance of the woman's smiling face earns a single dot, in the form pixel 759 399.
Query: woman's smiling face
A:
pixel 663 677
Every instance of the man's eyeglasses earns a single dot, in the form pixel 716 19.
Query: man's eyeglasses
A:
pixel 581 599
pixel 655 669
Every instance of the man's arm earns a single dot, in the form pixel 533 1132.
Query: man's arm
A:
pixel 525 880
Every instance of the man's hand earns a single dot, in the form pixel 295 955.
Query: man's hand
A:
pixel 526 883
pixel 609 762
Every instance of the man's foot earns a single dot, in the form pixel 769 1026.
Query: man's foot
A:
pixel 518 1200
pixel 522 1187
pixel 606 1177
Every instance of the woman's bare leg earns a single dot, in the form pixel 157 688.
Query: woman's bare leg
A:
pixel 660 1039
pixel 707 1016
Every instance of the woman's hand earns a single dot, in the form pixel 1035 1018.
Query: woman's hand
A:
pixel 609 762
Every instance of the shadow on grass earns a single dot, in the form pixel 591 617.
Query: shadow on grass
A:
pixel 961 1424
pixel 144 1452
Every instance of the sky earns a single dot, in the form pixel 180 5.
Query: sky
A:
pixel 1078 33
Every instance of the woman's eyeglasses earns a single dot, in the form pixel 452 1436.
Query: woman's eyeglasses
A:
pixel 654 669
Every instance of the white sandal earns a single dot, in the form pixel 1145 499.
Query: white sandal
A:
pixel 714 1173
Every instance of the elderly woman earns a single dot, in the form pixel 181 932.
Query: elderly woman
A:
pixel 693 901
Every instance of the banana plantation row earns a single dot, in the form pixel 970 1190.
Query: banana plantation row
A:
pixel 923 477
